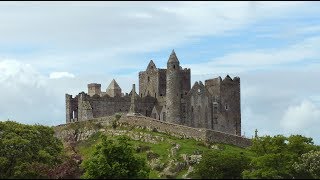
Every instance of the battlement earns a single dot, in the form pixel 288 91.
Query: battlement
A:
pixel 94 85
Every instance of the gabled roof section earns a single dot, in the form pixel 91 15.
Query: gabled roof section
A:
pixel 137 95
pixel 113 85
pixel 173 57
pixel 151 65
pixel 199 88
pixel 227 79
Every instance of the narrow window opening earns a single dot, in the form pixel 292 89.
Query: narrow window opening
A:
pixel 174 66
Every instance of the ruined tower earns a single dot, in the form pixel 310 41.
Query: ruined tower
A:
pixel 94 89
pixel 173 97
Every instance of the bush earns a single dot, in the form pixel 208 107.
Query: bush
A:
pixel 115 159
pixel 220 165
pixel 23 147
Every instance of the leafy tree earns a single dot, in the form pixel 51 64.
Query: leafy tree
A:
pixel 308 165
pixel 221 165
pixel 23 147
pixel 115 159
pixel 276 155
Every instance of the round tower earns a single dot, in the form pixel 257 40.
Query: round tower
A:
pixel 173 97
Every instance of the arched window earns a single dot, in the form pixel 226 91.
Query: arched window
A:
pixel 174 66
pixel 148 79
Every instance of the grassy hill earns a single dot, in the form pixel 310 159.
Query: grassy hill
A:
pixel 168 156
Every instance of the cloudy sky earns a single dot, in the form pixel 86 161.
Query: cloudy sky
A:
pixel 48 49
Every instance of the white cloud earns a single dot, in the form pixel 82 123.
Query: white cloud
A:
pixel 12 71
pixel 237 62
pixel 301 117
pixel 57 75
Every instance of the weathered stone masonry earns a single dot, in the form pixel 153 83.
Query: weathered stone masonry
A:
pixel 167 95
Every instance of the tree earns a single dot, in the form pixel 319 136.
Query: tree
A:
pixel 276 155
pixel 221 165
pixel 24 147
pixel 115 159
pixel 308 165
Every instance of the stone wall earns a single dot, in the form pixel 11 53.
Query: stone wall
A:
pixel 221 137
pixel 185 75
pixel 198 104
pixel 148 82
pixel 84 107
pixel 230 105
pixel 207 135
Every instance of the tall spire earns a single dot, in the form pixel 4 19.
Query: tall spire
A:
pixel 173 57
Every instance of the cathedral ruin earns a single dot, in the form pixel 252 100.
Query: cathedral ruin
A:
pixel 165 95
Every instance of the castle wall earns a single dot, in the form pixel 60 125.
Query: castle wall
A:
pixel 182 131
pixel 71 108
pixel 148 82
pixel 213 86
pixel 109 105
pixel 185 81
pixel 162 83
pixel 198 107
pixel 230 105
pixel 84 107
pixel 94 88
pixel 93 107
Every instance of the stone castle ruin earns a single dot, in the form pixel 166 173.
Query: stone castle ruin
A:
pixel 165 95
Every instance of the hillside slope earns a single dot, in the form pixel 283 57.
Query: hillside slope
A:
pixel 168 156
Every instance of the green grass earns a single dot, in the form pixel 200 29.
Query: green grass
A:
pixel 162 148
